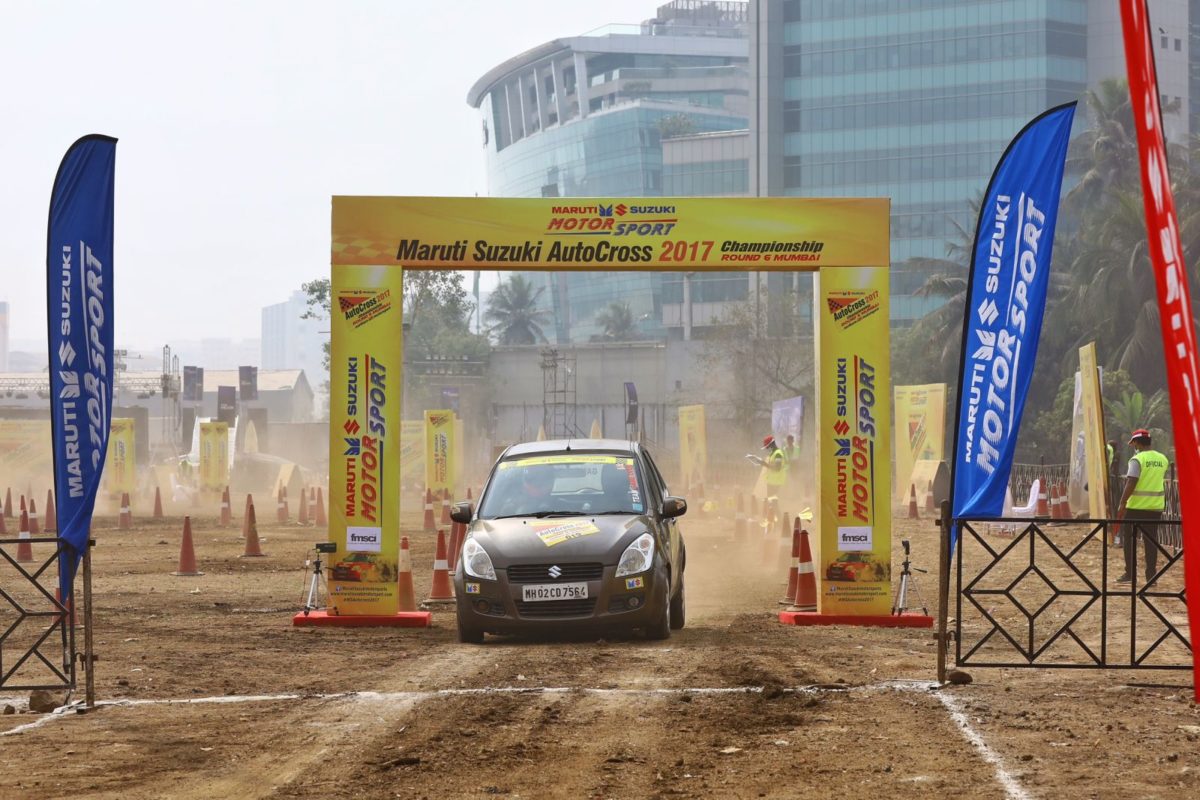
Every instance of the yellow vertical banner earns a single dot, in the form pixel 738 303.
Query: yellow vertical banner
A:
pixel 920 432
pixel 693 447
pixel 365 439
pixel 120 468
pixel 439 450
pixel 412 453
pixel 854 440
pixel 1095 445
pixel 214 456
pixel 456 460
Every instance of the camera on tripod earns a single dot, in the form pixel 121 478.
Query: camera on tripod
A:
pixel 331 547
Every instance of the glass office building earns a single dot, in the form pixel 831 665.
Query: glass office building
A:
pixel 916 100
pixel 623 111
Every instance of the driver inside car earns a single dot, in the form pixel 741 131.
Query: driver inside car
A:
pixel 537 482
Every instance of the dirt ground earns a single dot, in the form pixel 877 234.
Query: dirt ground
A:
pixel 734 705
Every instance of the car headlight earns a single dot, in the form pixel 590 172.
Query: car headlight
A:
pixel 638 557
pixel 477 562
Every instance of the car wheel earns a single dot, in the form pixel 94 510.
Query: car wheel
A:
pixel 677 609
pixel 661 628
pixel 468 634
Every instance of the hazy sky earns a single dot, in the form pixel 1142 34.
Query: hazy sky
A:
pixel 237 121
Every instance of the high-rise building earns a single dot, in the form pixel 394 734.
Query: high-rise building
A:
pixel 291 341
pixel 656 109
pixel 915 100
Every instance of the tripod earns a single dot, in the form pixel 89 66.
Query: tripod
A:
pixel 908 581
pixel 317 586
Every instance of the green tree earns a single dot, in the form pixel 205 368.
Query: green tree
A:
pixel 513 312
pixel 617 322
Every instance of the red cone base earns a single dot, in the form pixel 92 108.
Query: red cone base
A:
pixel 401 619
pixel 905 620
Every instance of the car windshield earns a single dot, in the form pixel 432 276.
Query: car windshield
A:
pixel 851 558
pixel 563 485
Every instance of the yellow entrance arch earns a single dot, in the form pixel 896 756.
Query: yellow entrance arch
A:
pixel 844 240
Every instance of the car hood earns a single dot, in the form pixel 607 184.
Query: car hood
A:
pixel 525 540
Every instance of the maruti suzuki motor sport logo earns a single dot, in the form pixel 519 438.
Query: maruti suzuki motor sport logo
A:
pixel 364 454
pixel 610 220
pixel 855 453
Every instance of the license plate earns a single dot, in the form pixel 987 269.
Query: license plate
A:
pixel 532 593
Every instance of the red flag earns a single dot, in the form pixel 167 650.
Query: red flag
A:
pixel 1174 299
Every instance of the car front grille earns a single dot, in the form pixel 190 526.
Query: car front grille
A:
pixel 540 573
pixel 557 608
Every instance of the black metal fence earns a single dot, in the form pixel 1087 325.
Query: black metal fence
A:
pixel 1047 594
pixel 37 633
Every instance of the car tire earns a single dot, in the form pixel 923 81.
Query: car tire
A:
pixel 660 629
pixel 678 608
pixel 468 634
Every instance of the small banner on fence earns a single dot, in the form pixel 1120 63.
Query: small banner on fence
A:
pixel 920 432
pixel 693 447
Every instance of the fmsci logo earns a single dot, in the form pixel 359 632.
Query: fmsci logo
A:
pixel 364 539
pixel 856 538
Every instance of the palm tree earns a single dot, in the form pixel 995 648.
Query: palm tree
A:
pixel 513 312
pixel 1134 411
pixel 617 322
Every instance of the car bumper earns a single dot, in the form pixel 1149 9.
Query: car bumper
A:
pixel 497 606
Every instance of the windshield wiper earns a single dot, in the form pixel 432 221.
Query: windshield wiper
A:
pixel 610 513
pixel 542 514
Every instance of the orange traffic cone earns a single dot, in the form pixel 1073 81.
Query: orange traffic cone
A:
pixel 1065 501
pixel 302 517
pixel 319 515
pixel 912 502
pixel 789 596
pixel 446 507
pixel 929 505
pixel 8 512
pixel 1043 504
pixel 51 522
pixel 226 517
pixel 287 506
pixel 187 553
pixel 252 547
pixel 806 579
pixel 280 507
pixel 429 524
pixel 125 521
pixel 34 528
pixel 404 579
pixel 246 516
pixel 158 509
pixel 739 520
pixel 441 591
pixel 3 526
pixel 70 606
pixel 24 548
pixel 1055 505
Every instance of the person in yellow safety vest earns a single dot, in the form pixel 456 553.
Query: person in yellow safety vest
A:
pixel 1142 503
pixel 776 465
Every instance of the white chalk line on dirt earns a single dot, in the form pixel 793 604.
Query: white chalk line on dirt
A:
pixel 1012 788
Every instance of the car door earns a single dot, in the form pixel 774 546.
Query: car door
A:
pixel 670 526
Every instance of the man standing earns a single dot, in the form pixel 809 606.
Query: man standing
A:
pixel 775 466
pixel 1142 503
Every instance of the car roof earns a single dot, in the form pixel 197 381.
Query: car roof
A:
pixel 560 446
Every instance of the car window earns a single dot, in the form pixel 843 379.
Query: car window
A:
pixel 656 475
pixel 572 483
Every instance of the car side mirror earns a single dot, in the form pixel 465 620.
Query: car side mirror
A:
pixel 462 512
pixel 674 507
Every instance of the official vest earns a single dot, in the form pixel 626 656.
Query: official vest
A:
pixel 1109 448
pixel 777 477
pixel 1149 493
